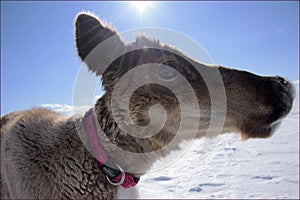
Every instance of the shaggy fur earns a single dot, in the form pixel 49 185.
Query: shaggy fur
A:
pixel 42 155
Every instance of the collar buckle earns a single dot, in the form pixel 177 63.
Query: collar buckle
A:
pixel 122 177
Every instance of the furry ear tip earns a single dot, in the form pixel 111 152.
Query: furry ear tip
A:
pixel 83 17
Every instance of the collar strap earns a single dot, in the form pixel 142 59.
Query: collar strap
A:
pixel 113 172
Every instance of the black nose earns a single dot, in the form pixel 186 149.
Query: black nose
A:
pixel 282 94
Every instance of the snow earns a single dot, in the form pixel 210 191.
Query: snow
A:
pixel 256 168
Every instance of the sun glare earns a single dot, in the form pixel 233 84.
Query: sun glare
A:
pixel 141 6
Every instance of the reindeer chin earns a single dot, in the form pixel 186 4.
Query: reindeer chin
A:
pixel 260 131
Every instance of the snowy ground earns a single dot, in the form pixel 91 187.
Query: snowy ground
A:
pixel 257 168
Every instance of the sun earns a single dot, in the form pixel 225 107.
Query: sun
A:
pixel 141 5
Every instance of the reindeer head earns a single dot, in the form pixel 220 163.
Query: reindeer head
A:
pixel 254 104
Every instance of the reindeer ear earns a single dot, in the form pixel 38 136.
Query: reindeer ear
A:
pixel 90 32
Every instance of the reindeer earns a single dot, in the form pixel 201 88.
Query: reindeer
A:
pixel 45 154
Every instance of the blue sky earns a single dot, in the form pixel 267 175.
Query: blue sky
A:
pixel 39 60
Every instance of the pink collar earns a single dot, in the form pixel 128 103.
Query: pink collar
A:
pixel 113 172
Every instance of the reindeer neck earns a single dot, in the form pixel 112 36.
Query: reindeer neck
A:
pixel 118 145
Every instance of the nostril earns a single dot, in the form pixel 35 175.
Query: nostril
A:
pixel 281 80
pixel 284 86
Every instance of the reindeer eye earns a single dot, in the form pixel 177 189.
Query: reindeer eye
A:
pixel 168 70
